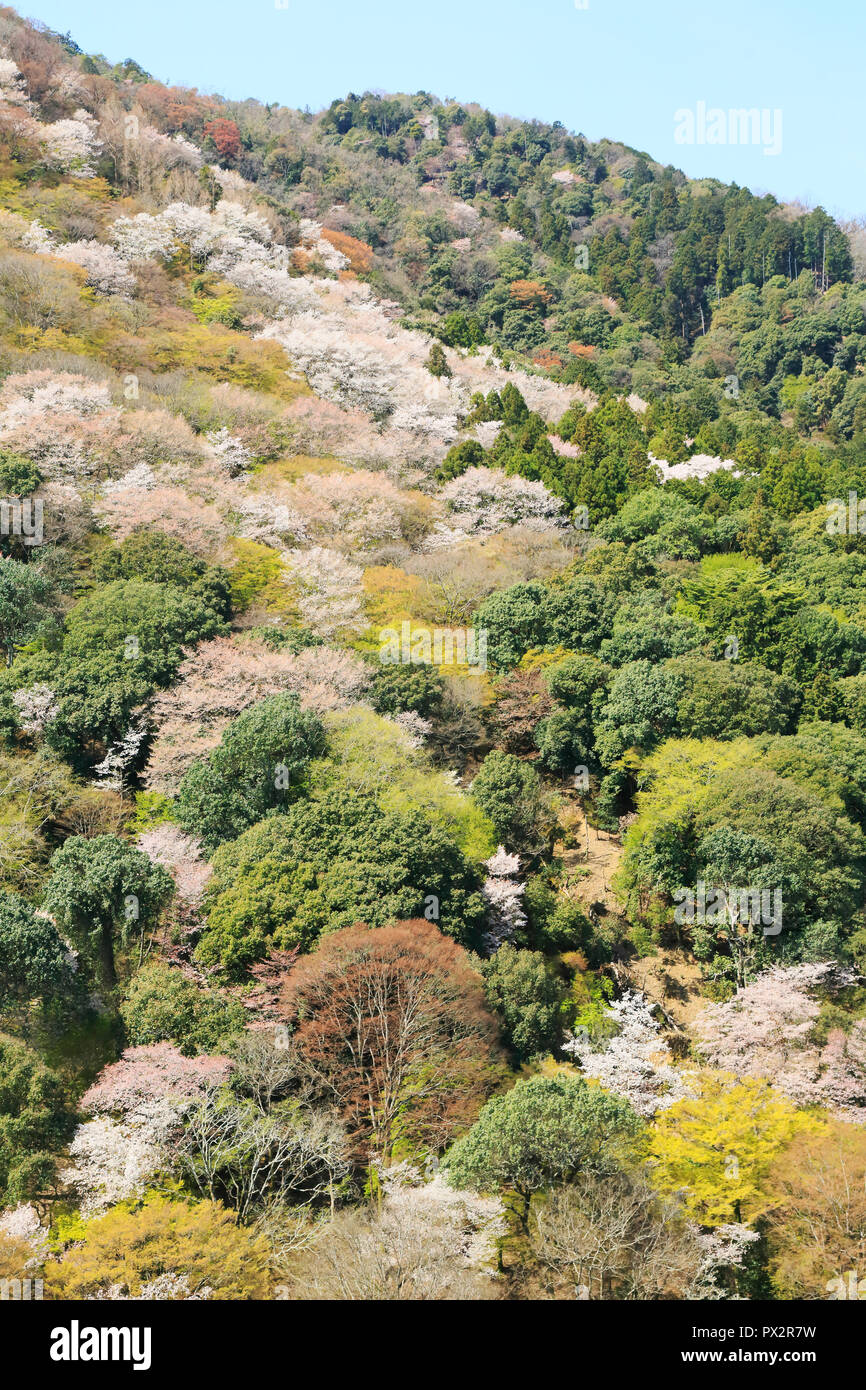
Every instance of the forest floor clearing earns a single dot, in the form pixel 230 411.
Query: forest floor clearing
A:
pixel 590 857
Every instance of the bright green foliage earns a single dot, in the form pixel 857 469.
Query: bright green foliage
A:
pixel 574 615
pixel 662 523
pixel 640 710
pixel 509 792
pixel 558 923
pixel 368 755
pixel 724 699
pixel 122 640
pixel 467 454
pixel 329 863
pixel 566 738
pixel 545 1130
pixel 526 995
pixel 784 828
pixel 646 632
pixel 772 624
pixel 19 476
pixel 101 892
pixel 162 559
pixel 34 962
pixel 161 618
pixel 131 1247
pixel 398 687
pixel 25 597
pixel 35 1121
pixel 437 362
pixel 162 1005
pixel 259 767
pixel 36 789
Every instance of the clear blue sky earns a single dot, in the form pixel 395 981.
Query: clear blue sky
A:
pixel 620 68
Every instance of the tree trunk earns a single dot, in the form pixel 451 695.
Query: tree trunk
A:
pixel 106 957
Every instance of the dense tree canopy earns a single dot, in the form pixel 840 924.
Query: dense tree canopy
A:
pixel 432 706
pixel 326 864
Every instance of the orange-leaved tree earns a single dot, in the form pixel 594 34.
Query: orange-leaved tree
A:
pixel 392 1022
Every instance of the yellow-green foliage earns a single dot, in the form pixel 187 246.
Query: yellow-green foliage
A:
pixel 537 660
pixel 292 469
pixel 392 596
pixel 676 777
pixel 256 576
pixel 370 755
pixel 133 1246
pixel 33 791
pixel 222 308
pixel 151 808
pixel 730 560
pixel 218 351
pixel 717 1146
pixel 54 203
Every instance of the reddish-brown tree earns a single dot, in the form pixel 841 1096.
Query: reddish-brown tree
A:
pixel 391 1022
pixel 521 700
pixel 529 294
pixel 174 108
pixel 359 253
pixel 225 136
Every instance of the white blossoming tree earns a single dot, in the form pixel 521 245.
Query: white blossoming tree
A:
pixel 328 589
pixel 230 452
pixel 635 1063
pixel 503 894
pixel 107 272
pixel 72 146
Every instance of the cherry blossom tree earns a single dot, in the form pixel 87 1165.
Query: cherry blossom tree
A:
pixel 483 501
pixel 230 452
pixel 137 1106
pixel 414 725
pixel 63 421
pixel 71 146
pixel 357 509
pixel 503 894
pixel 313 241
pixel 181 854
pixel 22 1226
pixel 113 1160
pixel 169 1287
pixel 36 707
pixel 635 1063
pixel 424 1241
pixel 269 522
pixel 328 589
pixel 766 1030
pixel 225 676
pixel 13 87
pixel 107 272
pixel 135 502
pixel 144 1075
pixel 114 771
pixel 142 237
pixel 36 237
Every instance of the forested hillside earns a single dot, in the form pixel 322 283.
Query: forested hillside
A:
pixel 433 715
